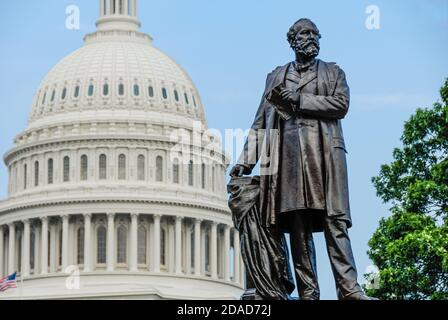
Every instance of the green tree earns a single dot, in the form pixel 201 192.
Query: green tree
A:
pixel 410 248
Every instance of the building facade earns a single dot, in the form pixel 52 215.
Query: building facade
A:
pixel 116 188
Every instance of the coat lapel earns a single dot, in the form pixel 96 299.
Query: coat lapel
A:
pixel 307 79
pixel 322 78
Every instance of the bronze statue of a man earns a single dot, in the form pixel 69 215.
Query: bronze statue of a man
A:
pixel 297 136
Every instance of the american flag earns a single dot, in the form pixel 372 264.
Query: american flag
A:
pixel 8 282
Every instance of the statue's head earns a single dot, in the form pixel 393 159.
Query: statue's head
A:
pixel 304 37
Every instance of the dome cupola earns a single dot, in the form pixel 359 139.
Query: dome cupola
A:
pixel 118 15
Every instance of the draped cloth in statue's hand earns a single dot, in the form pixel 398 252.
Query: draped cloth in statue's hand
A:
pixel 264 250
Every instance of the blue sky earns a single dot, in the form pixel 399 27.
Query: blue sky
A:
pixel 228 47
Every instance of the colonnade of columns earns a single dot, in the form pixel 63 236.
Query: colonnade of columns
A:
pixel 154 243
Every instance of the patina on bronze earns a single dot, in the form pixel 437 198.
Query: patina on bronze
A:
pixel 264 250
pixel 297 136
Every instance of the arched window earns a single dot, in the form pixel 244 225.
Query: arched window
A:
pixel 44 98
pixel 101 245
pixel 151 92
pixel 105 90
pixel 25 178
pixel 203 175
pixel 91 90
pixel 159 169
pixel 142 245
pixel 80 246
pixel 190 173
pixel 192 256
pixel 176 95
pixel 66 169
pixel 122 238
pixel 207 252
pixel 121 89
pixel 64 94
pixel 141 168
pixel 103 167
pixel 36 173
pixel 60 248
pixel 50 240
pixel 16 175
pixel 114 9
pixel 76 94
pixel 121 167
pixel 213 178
pixel 164 93
pixel 84 167
pixel 53 95
pixel 162 247
pixel 176 171
pixel 50 171
pixel 136 90
pixel 194 102
pixel 186 99
pixel 19 253
pixel 121 7
pixel 32 244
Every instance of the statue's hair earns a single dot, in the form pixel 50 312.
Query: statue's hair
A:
pixel 296 28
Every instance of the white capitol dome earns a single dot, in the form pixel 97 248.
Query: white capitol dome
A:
pixel 115 71
pixel 117 179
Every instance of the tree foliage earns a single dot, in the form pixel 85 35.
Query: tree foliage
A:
pixel 410 248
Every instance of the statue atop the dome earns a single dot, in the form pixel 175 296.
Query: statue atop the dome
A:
pixel 297 136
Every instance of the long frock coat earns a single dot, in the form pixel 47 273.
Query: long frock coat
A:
pixel 329 106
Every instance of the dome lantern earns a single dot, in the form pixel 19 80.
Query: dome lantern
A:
pixel 118 15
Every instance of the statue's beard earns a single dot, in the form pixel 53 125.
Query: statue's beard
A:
pixel 308 50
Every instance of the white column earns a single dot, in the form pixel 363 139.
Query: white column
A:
pixel 133 266
pixel 214 253
pixel 37 244
pixel 110 241
pixel 65 221
pixel 188 249
pixel 12 246
pixel 87 242
pixel 101 8
pixel 109 7
pixel 226 253
pixel 156 244
pixel 171 246
pixel 44 246
pixel 178 246
pixel 53 240
pixel 2 253
pixel 71 243
pixel 134 8
pixel 126 7
pixel 236 258
pixel 26 249
pixel 197 247
pixel 117 7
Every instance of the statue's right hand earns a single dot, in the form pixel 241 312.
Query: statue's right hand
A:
pixel 237 171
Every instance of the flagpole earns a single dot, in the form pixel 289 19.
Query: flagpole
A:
pixel 21 286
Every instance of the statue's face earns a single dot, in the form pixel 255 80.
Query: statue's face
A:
pixel 306 42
